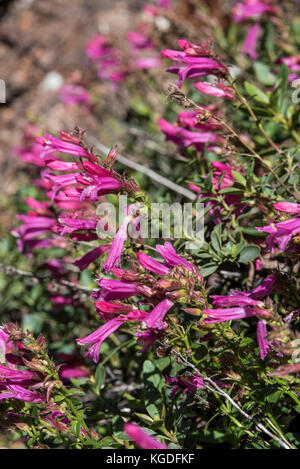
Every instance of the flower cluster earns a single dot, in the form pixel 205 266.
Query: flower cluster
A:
pixel 158 285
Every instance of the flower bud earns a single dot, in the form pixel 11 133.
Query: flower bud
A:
pixel 112 155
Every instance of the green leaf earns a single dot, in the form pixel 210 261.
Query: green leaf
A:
pixel 100 376
pixel 208 269
pixel 283 85
pixel 76 427
pixel 239 178
pixel 249 253
pixel 231 190
pixel 263 74
pixel 257 94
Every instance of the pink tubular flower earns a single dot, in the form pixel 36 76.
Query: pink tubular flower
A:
pixel 16 375
pixel 68 225
pixel 52 144
pixel 107 310
pixel 185 384
pixel 246 303
pixel 287 207
pixel 171 257
pixel 34 226
pixel 250 9
pixel 190 120
pixel 96 47
pixel 233 300
pixel 293 63
pixel 117 289
pixel 164 4
pixel 227 314
pixel 141 438
pixel 264 289
pixel 5 347
pixel 185 138
pixel 18 392
pixel 72 367
pixel 146 339
pixel 75 94
pixel 97 337
pixel 221 169
pixel 250 43
pixel 220 90
pixel 91 256
pixel 280 233
pixel 106 58
pixel 114 256
pixel 155 319
pixel 262 341
pixel 146 63
pixel 151 264
pixel 194 61
pixel 247 298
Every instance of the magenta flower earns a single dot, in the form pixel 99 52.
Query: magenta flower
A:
pixel 190 120
pixel 72 367
pixel 234 300
pixel 16 375
pixel 95 186
pixel 155 319
pixel 264 289
pixel 293 64
pixel 97 47
pixel 151 264
pixel 52 144
pixel 220 90
pixel 262 341
pixel 250 43
pixel 246 303
pixel 185 384
pixel 185 138
pixel 280 233
pixel 69 224
pixel 146 339
pixel 193 61
pixel 34 226
pixel 146 63
pixel 227 314
pixel 138 40
pixel 141 438
pixel 219 170
pixel 97 337
pixel 171 257
pixel 106 58
pixel 115 253
pixel 287 207
pixel 18 392
pixel 90 257
pixel 107 310
pixel 164 4
pixel 250 9
pixel 75 94
pixel 5 346
pixel 117 289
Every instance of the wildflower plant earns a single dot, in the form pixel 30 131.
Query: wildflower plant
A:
pixel 183 348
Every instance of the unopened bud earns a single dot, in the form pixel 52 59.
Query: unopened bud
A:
pixel 192 311
pixel 112 155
